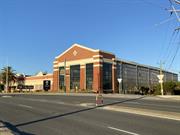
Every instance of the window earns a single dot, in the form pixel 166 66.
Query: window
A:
pixel 107 76
pixel 89 76
pixel 75 76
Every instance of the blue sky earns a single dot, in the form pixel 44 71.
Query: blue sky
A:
pixel 34 32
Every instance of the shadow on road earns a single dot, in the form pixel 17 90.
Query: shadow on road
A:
pixel 14 127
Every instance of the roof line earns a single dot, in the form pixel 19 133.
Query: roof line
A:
pixel 78 45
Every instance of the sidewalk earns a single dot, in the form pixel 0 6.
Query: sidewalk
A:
pixel 4 130
pixel 130 96
pixel 172 97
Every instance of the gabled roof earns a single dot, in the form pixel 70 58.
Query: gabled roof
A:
pixel 77 45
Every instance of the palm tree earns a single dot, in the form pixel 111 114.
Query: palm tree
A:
pixel 8 74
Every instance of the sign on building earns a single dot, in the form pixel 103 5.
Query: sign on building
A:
pixel 46 85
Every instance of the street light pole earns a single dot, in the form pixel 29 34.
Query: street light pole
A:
pixel 7 78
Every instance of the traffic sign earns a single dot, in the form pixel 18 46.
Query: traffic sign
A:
pixel 160 77
pixel 119 80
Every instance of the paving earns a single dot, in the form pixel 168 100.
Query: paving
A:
pixel 4 130
pixel 72 115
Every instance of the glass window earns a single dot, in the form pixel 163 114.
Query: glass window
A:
pixel 75 76
pixel 143 77
pixel 107 76
pixel 119 69
pixel 129 76
pixel 89 76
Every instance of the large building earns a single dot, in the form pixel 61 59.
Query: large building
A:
pixel 84 69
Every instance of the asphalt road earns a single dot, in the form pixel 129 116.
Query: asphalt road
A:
pixel 64 115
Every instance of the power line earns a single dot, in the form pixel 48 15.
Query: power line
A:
pixel 163 49
pixel 177 50
pixel 172 41
pixel 173 38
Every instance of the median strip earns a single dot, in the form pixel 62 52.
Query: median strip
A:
pixel 145 112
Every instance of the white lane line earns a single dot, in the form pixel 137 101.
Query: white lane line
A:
pixel 124 131
pixel 6 96
pixel 26 106
pixel 149 104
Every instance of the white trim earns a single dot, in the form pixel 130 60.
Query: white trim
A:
pixel 98 60
pixel 114 63
pixel 107 60
pixel 77 45
pixel 55 66
pixel 95 56
pixel 97 65
pixel 55 69
pixel 55 62
pixel 77 62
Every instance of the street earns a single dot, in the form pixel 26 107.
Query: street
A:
pixel 67 115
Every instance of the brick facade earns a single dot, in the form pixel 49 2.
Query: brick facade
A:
pixel 80 55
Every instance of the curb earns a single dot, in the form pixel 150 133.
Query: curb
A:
pixel 145 112
pixel 4 130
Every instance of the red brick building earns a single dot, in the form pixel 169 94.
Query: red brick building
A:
pixel 80 68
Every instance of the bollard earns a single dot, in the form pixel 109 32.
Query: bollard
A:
pixel 99 99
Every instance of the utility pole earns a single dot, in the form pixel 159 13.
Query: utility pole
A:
pixel 160 77
pixel 174 10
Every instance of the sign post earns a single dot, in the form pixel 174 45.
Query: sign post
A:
pixel 120 84
pixel 160 77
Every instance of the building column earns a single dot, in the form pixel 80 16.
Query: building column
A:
pixel 137 77
pixel 97 73
pixel 55 81
pixel 82 77
pixel 114 77
pixel 67 79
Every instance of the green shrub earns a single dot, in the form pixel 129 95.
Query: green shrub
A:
pixel 168 88
pixel 156 90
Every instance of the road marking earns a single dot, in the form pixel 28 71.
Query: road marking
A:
pixel 131 102
pixel 6 96
pixel 26 106
pixel 124 131
pixel 149 104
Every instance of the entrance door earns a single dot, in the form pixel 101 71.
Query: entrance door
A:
pixel 89 76
pixel 74 77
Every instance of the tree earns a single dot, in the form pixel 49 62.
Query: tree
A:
pixel 10 74
pixel 20 78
